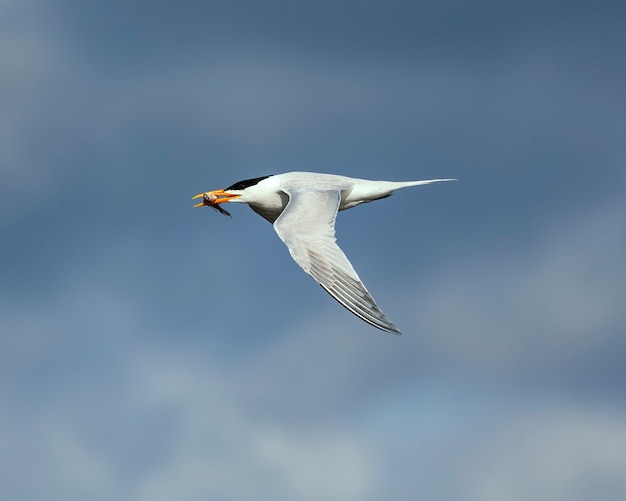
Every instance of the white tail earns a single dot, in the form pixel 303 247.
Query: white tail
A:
pixel 406 184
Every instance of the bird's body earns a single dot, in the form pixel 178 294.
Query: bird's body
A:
pixel 268 197
pixel 303 206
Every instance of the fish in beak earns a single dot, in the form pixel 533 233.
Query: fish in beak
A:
pixel 214 198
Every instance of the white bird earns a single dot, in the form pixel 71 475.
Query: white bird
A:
pixel 303 206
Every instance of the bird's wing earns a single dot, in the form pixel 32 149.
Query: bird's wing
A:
pixel 307 226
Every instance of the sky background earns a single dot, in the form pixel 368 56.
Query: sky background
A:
pixel 151 352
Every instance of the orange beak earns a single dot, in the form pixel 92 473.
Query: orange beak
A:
pixel 214 197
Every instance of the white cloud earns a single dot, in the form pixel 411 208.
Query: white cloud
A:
pixel 322 410
pixel 554 455
pixel 115 413
pixel 553 302
pixel 323 465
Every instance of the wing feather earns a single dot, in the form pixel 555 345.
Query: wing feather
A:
pixel 307 227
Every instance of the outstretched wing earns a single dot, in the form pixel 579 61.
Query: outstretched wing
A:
pixel 307 227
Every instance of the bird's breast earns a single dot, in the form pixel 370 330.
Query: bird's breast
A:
pixel 270 207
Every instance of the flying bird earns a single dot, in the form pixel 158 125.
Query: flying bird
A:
pixel 303 207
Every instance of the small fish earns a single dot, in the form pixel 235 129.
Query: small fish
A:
pixel 209 199
pixel 220 210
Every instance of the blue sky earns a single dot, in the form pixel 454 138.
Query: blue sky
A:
pixel 153 352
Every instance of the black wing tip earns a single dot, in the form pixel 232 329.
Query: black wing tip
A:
pixel 388 326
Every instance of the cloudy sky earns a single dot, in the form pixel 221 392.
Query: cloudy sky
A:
pixel 153 352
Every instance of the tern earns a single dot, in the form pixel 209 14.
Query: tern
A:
pixel 303 207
